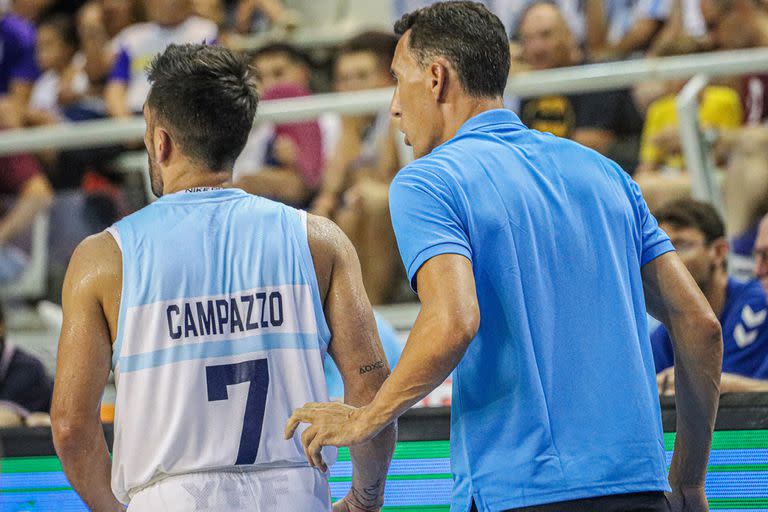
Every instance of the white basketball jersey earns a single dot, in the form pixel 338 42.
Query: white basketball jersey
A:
pixel 221 335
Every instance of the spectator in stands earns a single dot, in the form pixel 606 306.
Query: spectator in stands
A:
pixel 616 29
pixel 23 378
pixel 64 81
pixel 661 174
pixel 698 234
pixel 596 119
pixel 21 179
pixel 35 11
pixel 251 15
pixel 737 24
pixel 283 162
pixel 170 21
pixel 98 23
pixel 355 190
pixel 27 192
pixel 17 69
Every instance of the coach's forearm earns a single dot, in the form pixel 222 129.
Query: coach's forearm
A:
pixel 85 458
pixel 435 346
pixel 698 362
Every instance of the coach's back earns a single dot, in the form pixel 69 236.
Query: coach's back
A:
pixel 221 334
pixel 555 398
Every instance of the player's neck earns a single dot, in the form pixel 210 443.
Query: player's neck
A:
pixel 716 292
pixel 200 179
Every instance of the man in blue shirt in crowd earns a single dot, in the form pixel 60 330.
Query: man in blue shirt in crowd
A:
pixel 698 234
pixel 531 256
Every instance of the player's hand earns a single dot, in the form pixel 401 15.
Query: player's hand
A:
pixel 330 424
pixel 665 380
pixel 688 499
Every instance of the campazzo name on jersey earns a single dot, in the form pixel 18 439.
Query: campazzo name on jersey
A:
pixel 250 312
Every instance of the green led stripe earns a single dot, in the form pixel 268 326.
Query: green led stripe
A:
pixel 724 468
pixel 29 490
pixel 730 440
pixel 427 476
pixel 30 465
pixel 412 450
pixel 738 503
pixel 425 508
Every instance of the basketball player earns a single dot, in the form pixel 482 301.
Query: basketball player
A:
pixel 214 308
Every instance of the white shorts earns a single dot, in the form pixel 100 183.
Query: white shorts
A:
pixel 279 489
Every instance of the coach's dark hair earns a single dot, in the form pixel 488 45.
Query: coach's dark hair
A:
pixel 469 36
pixel 206 96
pixel 381 44
pixel 690 213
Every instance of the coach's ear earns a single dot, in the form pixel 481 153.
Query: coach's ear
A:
pixel 162 142
pixel 440 74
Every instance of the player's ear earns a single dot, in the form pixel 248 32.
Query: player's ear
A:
pixel 162 141
pixel 439 75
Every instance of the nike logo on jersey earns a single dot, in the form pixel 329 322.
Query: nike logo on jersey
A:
pixel 250 312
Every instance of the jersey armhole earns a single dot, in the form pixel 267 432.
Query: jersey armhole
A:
pixel 117 343
pixel 323 329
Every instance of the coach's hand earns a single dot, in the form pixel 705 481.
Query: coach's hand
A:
pixel 688 499
pixel 330 424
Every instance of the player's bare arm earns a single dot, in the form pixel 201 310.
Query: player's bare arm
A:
pixel 447 323
pixel 357 351
pixel 91 298
pixel 673 297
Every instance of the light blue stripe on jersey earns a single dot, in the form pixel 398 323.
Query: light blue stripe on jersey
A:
pixel 210 349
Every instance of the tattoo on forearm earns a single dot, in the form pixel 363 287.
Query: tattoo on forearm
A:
pixel 368 498
pixel 370 367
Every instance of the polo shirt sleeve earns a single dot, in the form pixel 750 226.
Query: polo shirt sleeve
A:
pixel 654 242
pixel 426 219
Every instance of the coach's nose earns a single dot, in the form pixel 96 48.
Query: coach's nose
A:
pixel 394 106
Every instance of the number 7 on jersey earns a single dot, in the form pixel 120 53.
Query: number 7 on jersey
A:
pixel 257 372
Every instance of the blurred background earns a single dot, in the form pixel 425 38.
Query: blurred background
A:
pixel 673 90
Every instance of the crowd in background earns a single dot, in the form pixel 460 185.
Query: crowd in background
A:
pixel 67 61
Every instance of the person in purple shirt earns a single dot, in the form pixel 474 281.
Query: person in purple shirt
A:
pixel 17 68
pixel 698 233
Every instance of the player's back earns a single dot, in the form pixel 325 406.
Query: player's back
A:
pixel 555 399
pixel 221 335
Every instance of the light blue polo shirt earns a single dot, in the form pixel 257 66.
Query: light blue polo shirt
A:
pixel 556 397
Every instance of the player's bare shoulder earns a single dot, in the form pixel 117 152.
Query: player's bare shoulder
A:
pixel 329 247
pixel 96 270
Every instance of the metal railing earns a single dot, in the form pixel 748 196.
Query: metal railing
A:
pixel 585 78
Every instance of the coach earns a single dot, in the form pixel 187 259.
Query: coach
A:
pixel 534 259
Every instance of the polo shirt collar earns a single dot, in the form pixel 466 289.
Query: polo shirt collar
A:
pixel 490 118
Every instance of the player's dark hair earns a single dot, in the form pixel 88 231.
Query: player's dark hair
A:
pixel 291 52
pixel 690 213
pixel 381 44
pixel 206 96
pixel 469 36
pixel 65 26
